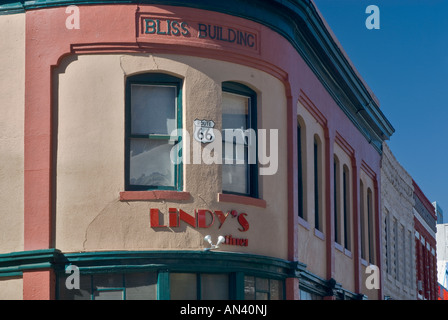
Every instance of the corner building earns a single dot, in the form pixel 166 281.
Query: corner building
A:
pixel 90 96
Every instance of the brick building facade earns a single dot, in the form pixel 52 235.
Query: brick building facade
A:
pixel 425 246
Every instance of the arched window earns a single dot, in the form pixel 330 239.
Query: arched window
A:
pixel 239 125
pixel 300 191
pixel 318 191
pixel 336 196
pixel 363 222
pixel 346 207
pixel 370 221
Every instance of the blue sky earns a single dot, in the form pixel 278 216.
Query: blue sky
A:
pixel 405 63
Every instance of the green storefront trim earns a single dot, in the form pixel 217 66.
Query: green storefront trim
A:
pixel 164 262
pixel 13 264
pixel 299 22
pixel 237 265
pixel 176 261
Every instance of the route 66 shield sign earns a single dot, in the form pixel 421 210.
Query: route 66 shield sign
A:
pixel 203 131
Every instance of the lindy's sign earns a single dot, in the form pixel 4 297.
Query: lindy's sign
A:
pixel 202 219
pixel 173 28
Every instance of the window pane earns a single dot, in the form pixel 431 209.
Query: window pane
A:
pixel 262 284
pixel 261 296
pixel 153 109
pixel 183 286
pixel 304 295
pixel 150 163
pixel 105 281
pixel 249 288
pixel 276 290
pixel 109 295
pixel 235 113
pixel 83 293
pixel 234 178
pixel 141 286
pixel 214 286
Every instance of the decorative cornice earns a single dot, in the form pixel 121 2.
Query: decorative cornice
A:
pixel 301 24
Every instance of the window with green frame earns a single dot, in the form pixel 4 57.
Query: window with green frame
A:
pixel 111 286
pixel 153 113
pixel 199 286
pixel 239 125
pixel 165 285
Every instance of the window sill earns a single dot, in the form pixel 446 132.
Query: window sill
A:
pixel 364 262
pixel 154 195
pixel 225 197
pixel 304 223
pixel 347 252
pixel 339 247
pixel 319 234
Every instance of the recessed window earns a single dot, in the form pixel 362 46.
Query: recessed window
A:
pixel 336 195
pixel 363 220
pixel 318 185
pixel 371 225
pixel 153 103
pixel 346 206
pixel 239 136
pixel 300 192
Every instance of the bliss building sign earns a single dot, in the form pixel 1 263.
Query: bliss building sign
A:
pixel 174 28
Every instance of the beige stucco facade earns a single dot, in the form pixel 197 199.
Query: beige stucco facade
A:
pixel 398 250
pixel 90 158
pixel 12 95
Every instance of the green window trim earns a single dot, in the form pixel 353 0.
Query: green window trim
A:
pixel 236 266
pixel 153 79
pixel 243 90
